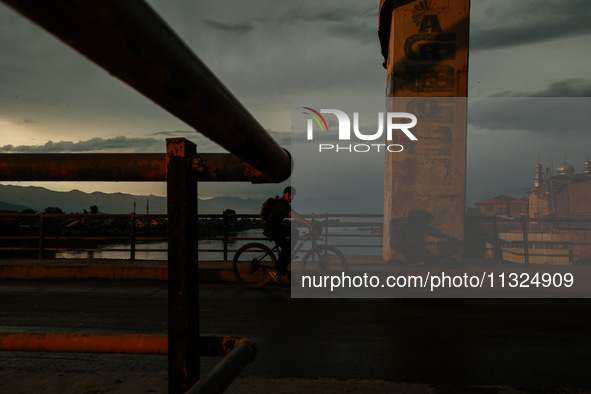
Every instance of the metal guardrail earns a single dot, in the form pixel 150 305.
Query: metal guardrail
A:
pixel 237 352
pixel 222 375
pixel 474 240
pixel 133 237
pixel 83 343
pixel 527 228
pixel 130 40
pixel 121 167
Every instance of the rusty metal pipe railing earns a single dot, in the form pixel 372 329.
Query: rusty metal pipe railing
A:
pixel 119 167
pixel 130 40
pixel 84 343
pixel 116 343
pixel 222 375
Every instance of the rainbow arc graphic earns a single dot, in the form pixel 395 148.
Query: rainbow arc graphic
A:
pixel 317 117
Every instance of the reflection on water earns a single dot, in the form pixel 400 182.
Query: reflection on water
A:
pixel 355 241
pixel 157 250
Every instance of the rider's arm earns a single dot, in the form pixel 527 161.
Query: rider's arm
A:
pixel 296 216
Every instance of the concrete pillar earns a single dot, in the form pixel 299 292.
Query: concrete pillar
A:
pixel 425 185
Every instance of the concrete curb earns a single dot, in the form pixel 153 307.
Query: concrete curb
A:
pixel 216 272
pixel 65 272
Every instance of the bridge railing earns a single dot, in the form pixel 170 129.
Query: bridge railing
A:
pixel 127 235
pixel 549 240
pixel 520 240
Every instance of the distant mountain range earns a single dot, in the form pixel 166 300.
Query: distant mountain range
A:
pixel 12 207
pixel 18 198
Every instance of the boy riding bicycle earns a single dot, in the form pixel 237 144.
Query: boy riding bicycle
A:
pixel 276 211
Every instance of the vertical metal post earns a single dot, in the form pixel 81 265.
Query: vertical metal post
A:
pixel 497 243
pixel 41 234
pixel 132 236
pixel 183 290
pixel 524 225
pixel 326 228
pixel 225 236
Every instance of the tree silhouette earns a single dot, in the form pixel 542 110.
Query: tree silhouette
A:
pixel 53 210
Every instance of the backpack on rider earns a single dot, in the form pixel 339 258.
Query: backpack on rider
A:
pixel 267 208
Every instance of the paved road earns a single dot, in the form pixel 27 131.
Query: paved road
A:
pixel 520 343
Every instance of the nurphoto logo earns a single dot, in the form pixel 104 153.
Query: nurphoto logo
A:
pixel 392 124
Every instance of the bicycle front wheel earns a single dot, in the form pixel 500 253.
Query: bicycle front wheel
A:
pixel 252 264
pixel 324 260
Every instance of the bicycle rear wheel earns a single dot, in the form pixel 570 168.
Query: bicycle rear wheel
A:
pixel 252 264
pixel 324 260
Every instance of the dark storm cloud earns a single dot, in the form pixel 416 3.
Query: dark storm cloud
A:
pixel 360 32
pixel 94 144
pixel 532 22
pixel 126 144
pixel 354 21
pixel 322 13
pixel 283 139
pixel 560 115
pixel 566 88
pixel 240 28
pixel 203 142
pixel 172 133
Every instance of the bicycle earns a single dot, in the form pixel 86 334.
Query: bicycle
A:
pixel 253 262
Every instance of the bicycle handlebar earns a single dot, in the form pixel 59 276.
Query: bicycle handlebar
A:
pixel 314 232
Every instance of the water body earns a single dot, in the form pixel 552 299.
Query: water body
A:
pixel 212 250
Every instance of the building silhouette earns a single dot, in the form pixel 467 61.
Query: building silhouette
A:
pixel 565 194
pixel 503 205
pixel 558 230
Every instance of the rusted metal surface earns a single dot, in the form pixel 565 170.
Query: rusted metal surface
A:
pixel 132 237
pixel 222 375
pixel 119 343
pixel 121 167
pixel 83 343
pixel 183 267
pixel 130 40
pixel 223 167
pixel 217 346
pixel 41 235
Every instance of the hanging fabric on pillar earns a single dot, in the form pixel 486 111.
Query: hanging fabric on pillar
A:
pixel 385 13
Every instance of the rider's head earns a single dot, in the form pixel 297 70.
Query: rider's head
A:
pixel 288 193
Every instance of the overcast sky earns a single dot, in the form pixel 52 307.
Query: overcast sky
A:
pixel 269 51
